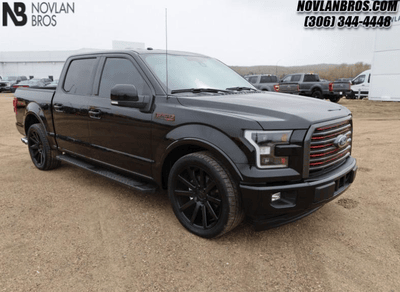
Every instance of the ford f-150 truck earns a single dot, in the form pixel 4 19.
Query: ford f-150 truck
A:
pixel 221 149
pixel 309 84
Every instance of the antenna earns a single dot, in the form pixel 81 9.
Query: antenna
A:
pixel 166 49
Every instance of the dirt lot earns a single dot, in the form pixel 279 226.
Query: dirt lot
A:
pixel 69 230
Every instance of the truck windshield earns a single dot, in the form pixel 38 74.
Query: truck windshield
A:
pixel 194 72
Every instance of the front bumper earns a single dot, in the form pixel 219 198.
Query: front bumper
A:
pixel 297 200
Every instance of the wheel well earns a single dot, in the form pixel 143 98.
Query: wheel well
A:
pixel 29 121
pixel 173 157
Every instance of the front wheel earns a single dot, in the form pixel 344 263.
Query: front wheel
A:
pixel 39 149
pixel 204 196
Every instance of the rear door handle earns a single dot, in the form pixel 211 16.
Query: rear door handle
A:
pixel 58 107
pixel 95 114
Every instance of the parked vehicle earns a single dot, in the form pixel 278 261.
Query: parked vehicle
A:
pixel 53 84
pixel 35 83
pixel 264 82
pixel 344 80
pixel 309 84
pixel 222 149
pixel 9 81
pixel 360 86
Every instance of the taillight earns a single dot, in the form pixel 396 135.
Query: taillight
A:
pixel 276 87
pixel 331 86
pixel 15 86
pixel 298 87
pixel 15 104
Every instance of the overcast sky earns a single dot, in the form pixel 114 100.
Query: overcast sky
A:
pixel 238 32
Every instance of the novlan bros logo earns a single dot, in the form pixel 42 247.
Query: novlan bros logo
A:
pixel 19 11
pixel 42 13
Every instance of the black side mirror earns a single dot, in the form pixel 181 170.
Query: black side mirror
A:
pixel 127 95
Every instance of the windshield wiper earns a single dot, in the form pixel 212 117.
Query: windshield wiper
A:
pixel 198 90
pixel 241 88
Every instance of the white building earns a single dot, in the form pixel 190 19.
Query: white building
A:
pixel 385 69
pixel 46 63
pixel 38 64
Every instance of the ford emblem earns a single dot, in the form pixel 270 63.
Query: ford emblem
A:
pixel 340 141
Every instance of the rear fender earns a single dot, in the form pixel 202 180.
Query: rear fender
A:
pixel 34 112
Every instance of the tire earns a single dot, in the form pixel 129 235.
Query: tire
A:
pixel 334 98
pixel 39 149
pixel 350 95
pixel 204 196
pixel 317 94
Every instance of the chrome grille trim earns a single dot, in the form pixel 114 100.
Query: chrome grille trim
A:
pixel 321 153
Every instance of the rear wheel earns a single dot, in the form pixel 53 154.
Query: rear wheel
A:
pixel 39 149
pixel 334 98
pixel 317 94
pixel 204 196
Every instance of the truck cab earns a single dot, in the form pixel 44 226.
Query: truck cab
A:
pixel 360 85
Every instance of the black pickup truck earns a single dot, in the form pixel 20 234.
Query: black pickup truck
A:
pixel 222 149
pixel 309 84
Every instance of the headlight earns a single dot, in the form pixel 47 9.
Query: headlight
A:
pixel 265 142
pixel 8 84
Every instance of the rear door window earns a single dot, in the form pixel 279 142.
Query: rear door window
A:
pixel 79 76
pixel 296 78
pixel 268 79
pixel 311 78
pixel 253 79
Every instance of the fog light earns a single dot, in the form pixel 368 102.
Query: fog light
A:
pixel 275 197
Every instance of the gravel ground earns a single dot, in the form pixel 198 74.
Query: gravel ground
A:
pixel 70 230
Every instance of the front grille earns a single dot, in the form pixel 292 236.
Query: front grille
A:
pixel 330 145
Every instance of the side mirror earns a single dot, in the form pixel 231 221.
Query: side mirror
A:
pixel 127 95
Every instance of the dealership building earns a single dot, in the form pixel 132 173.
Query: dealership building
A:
pixel 42 64
pixel 385 69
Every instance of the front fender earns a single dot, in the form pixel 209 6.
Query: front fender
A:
pixel 204 137
pixel 210 136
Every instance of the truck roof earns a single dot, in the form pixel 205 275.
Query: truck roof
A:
pixel 140 52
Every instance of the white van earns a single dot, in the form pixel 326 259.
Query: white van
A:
pixel 360 85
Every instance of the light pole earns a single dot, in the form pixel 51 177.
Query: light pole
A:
pixel 276 67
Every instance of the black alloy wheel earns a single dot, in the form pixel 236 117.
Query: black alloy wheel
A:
pixel 41 154
pixel 204 196
pixel 36 149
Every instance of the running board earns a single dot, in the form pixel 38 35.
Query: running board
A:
pixel 130 182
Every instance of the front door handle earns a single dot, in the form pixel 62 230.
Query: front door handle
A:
pixel 95 114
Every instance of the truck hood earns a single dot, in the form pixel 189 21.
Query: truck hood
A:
pixel 270 110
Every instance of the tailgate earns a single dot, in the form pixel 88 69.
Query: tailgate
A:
pixel 341 86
